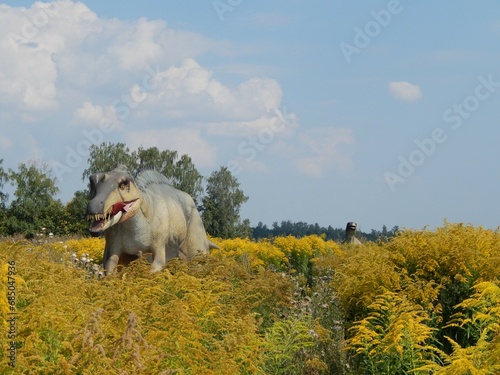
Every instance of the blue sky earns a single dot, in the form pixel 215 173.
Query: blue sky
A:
pixel 379 112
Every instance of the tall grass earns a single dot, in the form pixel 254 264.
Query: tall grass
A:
pixel 424 303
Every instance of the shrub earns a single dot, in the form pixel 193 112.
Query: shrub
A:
pixel 479 319
pixel 362 273
pixel 206 316
pixel 288 347
pixel 393 338
pixel 445 263
pixel 280 306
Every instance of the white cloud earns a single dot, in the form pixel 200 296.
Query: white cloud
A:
pixel 29 43
pixel 91 115
pixel 405 91
pixel 322 149
pixel 28 79
pixel 277 122
pixel 190 91
pixel 54 51
pixel 62 63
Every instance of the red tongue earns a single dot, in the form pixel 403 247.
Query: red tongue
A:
pixel 117 207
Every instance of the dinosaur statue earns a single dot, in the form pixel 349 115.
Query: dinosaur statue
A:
pixel 144 215
pixel 350 231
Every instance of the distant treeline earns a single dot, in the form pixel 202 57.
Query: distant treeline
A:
pixel 301 229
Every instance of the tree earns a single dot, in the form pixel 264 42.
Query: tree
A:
pixel 243 229
pixel 261 231
pixel 181 173
pixel 107 156
pixel 187 178
pixel 221 205
pixel 34 206
pixel 4 178
pixel 153 158
pixel 74 214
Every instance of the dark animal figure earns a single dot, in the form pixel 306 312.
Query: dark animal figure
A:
pixel 350 231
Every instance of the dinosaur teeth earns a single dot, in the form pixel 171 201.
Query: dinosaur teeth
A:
pixel 98 217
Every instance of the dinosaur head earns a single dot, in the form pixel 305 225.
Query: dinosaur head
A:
pixel 114 198
pixel 351 227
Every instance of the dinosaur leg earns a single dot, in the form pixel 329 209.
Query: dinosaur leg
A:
pixel 111 263
pixel 159 259
pixel 110 260
pixel 196 242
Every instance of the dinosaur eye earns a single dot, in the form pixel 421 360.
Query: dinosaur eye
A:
pixel 123 185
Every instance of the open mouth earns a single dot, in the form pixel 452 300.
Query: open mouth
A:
pixel 101 222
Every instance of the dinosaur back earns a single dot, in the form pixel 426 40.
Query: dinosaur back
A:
pixel 154 186
pixel 151 179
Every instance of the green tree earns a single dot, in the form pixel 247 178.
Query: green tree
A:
pixel 74 214
pixel 153 158
pixel 244 230
pixel 4 178
pixel 221 205
pixel 34 206
pixel 187 178
pixel 181 172
pixel 107 156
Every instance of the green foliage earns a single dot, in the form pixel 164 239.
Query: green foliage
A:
pixel 302 229
pixel 74 222
pixel 34 205
pixel 221 206
pixel 433 271
pixel 185 177
pixel 394 337
pixel 4 178
pixel 288 347
pixel 478 317
pixel 180 171
pixel 451 259
pixel 107 156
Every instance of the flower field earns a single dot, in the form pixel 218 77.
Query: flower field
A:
pixel 426 302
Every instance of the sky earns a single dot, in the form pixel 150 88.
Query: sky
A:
pixel 378 112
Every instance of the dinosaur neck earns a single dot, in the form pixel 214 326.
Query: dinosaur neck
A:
pixel 349 235
pixel 145 204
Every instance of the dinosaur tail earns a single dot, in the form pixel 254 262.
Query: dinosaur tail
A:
pixel 211 245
